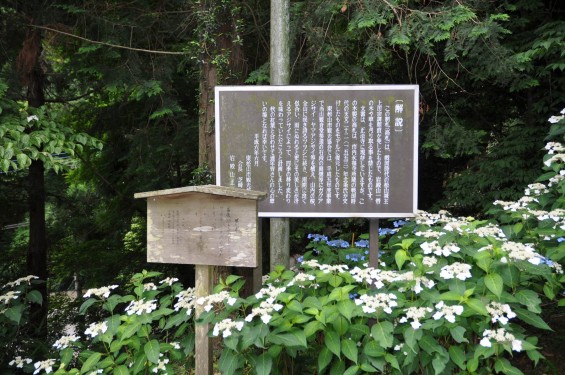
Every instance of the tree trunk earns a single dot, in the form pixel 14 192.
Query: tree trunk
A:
pixel 37 250
pixel 32 75
pixel 223 62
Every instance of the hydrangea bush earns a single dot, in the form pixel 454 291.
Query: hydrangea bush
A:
pixel 451 295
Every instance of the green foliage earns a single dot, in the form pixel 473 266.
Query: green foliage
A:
pixel 37 134
pixel 16 337
pixel 136 332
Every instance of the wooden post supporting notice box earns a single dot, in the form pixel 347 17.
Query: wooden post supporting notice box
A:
pixel 206 226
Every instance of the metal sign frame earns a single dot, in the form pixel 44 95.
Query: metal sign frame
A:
pixel 247 102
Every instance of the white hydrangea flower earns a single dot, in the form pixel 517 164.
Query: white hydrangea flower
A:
pixel 96 329
pixel 26 279
pixel 312 263
pixel 264 311
pixel 141 306
pixel 429 234
pixel 46 365
pixel 65 341
pixel 186 300
pixel 103 292
pixel 553 147
pixel 435 248
pixel 416 314
pixel 447 312
pixel 556 158
pixel 500 336
pixel 338 268
pixel 209 301
pixel 10 295
pixel 500 312
pixel 20 362
pixel 490 230
pixel 429 261
pixel 161 365
pixel 555 119
pixel 149 286
pixel 226 326
pixel 520 251
pixel 301 279
pixel 270 291
pixel 461 271
pixel 419 281
pixel 536 189
pixel 169 281
pixel 370 304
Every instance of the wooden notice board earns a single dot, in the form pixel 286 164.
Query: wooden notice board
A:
pixel 202 225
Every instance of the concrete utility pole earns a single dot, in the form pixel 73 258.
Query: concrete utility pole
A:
pixel 280 75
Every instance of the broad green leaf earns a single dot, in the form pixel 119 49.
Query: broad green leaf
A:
pixel 346 308
pixel 176 319
pixel 139 363
pixel 341 325
pixel 494 283
pixel 151 350
pixel 401 256
pixel 312 327
pixel 392 360
pixel 531 319
pixel 293 338
pixel 478 306
pixel 349 349
pixel 457 355
pixel 35 297
pixel 510 275
pixel 338 368
pixel 92 360
pixel 411 336
pixel 473 365
pixel 324 359
pixel 14 313
pixel 332 342
pixel 373 349
pixel 451 296
pixel 458 334
pixel 503 366
pixel 229 362
pixel 263 364
pixel 66 356
pixel 121 370
pixel 382 333
pixel 530 299
pixel 352 370
pixel 439 362
pixel 341 294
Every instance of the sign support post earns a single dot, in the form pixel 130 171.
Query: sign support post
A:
pixel 203 346
pixel 374 243
pixel 280 75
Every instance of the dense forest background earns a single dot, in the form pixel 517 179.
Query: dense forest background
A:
pixel 100 100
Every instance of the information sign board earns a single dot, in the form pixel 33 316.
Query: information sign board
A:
pixel 321 151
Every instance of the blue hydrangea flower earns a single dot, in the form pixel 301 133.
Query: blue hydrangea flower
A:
pixel 338 243
pixel 362 243
pixel 317 237
pixel 385 231
pixel 561 239
pixel 398 223
pixel 300 259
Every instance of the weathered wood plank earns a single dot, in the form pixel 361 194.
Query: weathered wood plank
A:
pixel 211 189
pixel 203 344
pixel 201 228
